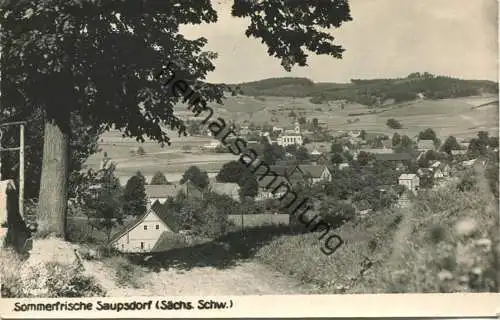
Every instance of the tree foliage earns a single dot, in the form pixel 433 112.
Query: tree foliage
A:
pixel 159 179
pixel 394 124
pixel 198 177
pixel 231 172
pixel 100 196
pixel 134 195
pixel 99 59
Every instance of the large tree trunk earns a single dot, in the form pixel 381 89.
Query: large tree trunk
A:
pixel 53 196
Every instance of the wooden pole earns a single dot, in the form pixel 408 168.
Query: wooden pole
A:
pixel 21 170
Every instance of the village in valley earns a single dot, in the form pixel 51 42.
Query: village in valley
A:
pixel 310 157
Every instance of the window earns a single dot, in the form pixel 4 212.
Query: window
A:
pixel 142 245
pixel 157 226
pixel 145 227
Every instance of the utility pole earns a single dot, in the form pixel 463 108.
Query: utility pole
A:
pixel 21 148
pixel 21 169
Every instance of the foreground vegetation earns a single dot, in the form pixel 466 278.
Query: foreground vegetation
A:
pixel 443 243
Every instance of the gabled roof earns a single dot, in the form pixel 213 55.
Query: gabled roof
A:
pixel 314 170
pixel 393 156
pixel 282 171
pixel 158 209
pixel 376 151
pixel 162 191
pixel 270 181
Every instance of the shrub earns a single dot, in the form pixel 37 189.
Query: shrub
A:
pixel 394 124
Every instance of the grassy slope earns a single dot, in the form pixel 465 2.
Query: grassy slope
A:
pixel 403 246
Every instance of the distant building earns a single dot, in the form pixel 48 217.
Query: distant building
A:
pixel 426 145
pixel 161 193
pixel 411 181
pixel 290 139
pixel 316 173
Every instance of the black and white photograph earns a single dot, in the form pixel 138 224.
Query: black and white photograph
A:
pixel 248 147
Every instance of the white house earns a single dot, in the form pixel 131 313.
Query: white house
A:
pixel 142 234
pixel 290 139
pixel 410 180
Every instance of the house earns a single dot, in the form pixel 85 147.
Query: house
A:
pixel 288 139
pixel 410 180
pixel 268 184
pixel 143 233
pixel 229 189
pixel 440 170
pixel 161 193
pixel 319 159
pixel 426 145
pixel 316 173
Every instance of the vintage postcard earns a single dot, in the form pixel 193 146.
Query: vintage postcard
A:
pixel 249 158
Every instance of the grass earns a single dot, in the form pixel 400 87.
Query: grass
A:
pixel 420 249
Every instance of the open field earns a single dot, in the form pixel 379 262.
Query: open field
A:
pixel 172 160
pixel 447 117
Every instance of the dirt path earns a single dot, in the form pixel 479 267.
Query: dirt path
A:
pixel 244 279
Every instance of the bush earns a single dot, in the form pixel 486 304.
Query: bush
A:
pixel 394 124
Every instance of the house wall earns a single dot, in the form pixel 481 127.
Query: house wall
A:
pixel 326 175
pixel 289 140
pixel 131 241
pixel 408 183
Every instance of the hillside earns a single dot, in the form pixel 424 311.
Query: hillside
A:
pixel 370 92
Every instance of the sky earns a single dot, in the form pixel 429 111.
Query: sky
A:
pixel 387 38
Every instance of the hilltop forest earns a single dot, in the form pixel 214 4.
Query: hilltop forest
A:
pixel 373 92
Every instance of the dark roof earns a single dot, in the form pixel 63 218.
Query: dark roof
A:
pixel 314 170
pixel 282 171
pixel 160 210
pixel 393 156
pixel 270 181
pixel 168 241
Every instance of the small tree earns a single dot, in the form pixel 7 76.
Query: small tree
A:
pixel 394 124
pixel 427 134
pixel 159 179
pixel 249 187
pixel 449 144
pixel 231 172
pixel 105 203
pixel 198 178
pixel 134 196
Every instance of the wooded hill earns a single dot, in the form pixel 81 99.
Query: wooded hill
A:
pixel 370 92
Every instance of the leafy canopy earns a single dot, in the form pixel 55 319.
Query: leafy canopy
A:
pixel 99 58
